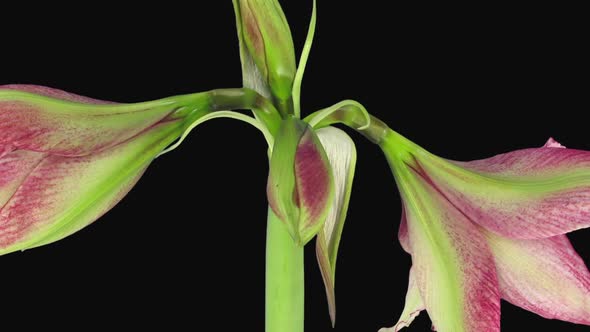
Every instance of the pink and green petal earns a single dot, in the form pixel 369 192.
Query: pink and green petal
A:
pixel 48 197
pixel 315 184
pixel 341 153
pixel 545 276
pixel 412 308
pixel 454 268
pixel 300 184
pixel 48 120
pixel 452 263
pixel 528 194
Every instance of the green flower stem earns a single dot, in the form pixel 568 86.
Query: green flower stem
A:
pixel 284 279
pixel 198 104
pixel 285 107
pixel 376 131
pixel 355 116
pixel 244 98
pixel 402 148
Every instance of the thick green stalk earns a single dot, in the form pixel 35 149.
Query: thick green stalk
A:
pixel 284 279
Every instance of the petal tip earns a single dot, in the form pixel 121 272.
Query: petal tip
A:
pixel 552 143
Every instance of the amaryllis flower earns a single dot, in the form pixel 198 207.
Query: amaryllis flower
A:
pixel 492 229
pixel 65 159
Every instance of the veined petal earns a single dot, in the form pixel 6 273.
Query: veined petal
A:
pixel 315 184
pixel 341 154
pixel 42 119
pixel 453 265
pixel 414 305
pixel 529 193
pixel 545 276
pixel 44 197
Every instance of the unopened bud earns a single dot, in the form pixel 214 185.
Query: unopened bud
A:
pixel 300 184
pixel 268 39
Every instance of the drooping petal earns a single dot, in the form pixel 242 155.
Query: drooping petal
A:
pixel 44 197
pixel 545 276
pixel 530 193
pixel 412 308
pixel 453 265
pixel 42 119
pixel 341 153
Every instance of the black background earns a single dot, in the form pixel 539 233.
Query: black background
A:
pixel 465 83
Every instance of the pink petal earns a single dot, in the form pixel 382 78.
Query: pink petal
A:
pixel 453 265
pixel 313 178
pixel 15 167
pixel 530 193
pixel 42 119
pixel 545 276
pixel 44 197
pixel 300 184
pixel 53 93
pixel 551 143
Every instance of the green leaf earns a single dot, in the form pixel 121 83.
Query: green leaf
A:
pixel 303 62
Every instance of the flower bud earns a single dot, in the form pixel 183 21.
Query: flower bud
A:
pixel 300 184
pixel 268 39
